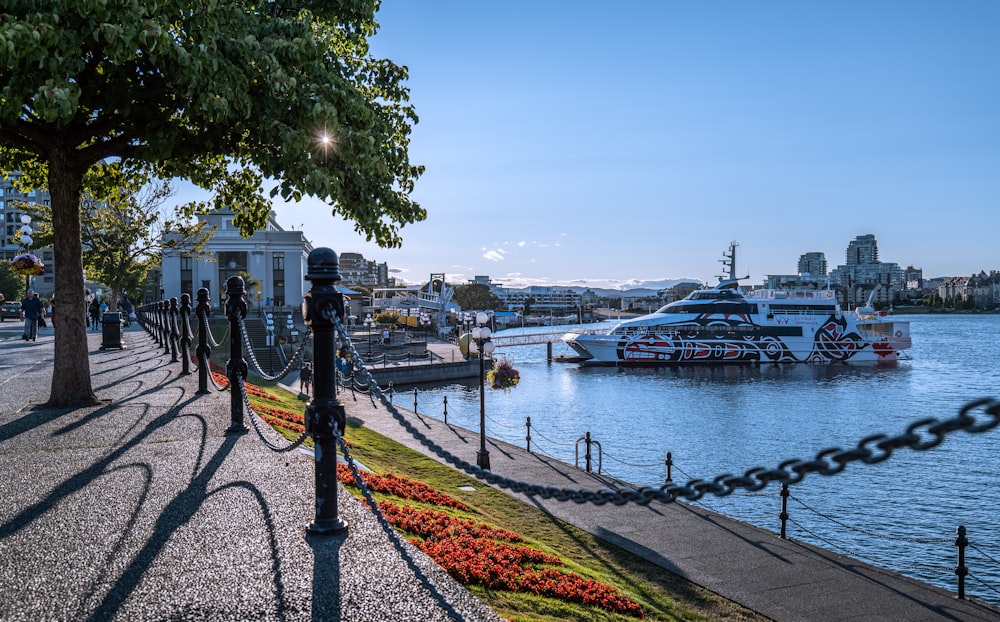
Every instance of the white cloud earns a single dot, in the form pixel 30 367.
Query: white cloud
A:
pixel 494 255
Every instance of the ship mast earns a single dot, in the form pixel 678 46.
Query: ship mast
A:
pixel 729 264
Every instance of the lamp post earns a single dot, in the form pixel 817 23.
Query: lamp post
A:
pixel 482 345
pixel 26 240
pixel 269 341
pixel 369 323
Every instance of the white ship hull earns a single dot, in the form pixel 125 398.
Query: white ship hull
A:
pixel 724 325
pixel 711 338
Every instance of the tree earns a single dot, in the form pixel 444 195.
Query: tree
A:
pixel 126 228
pixel 226 95
pixel 477 296
pixel 11 285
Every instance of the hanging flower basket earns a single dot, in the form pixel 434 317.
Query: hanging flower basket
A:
pixel 27 264
pixel 503 375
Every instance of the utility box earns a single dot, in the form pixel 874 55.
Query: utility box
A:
pixel 111 325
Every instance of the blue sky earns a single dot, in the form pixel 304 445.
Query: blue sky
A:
pixel 606 144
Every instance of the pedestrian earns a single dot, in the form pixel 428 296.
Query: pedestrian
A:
pixel 305 377
pixel 126 308
pixel 95 314
pixel 31 309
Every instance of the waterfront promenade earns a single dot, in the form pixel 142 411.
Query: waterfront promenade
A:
pixel 142 509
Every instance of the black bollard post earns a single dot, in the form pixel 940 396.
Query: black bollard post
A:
pixel 527 438
pixel 391 391
pixel 165 325
pixel 204 351
pixel 961 571
pixel 325 416
pixel 236 368
pixel 783 515
pixel 154 322
pixel 185 334
pixel 446 410
pixel 414 400
pixel 670 466
pixel 587 440
pixel 174 332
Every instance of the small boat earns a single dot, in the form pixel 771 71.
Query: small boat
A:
pixel 723 325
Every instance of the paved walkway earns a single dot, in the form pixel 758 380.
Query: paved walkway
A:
pixel 142 509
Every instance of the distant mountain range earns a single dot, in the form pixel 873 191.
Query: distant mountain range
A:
pixel 643 290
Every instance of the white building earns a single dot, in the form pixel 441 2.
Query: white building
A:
pixel 275 258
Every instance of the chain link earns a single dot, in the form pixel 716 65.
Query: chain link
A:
pixel 253 357
pixel 209 337
pixel 256 426
pixel 867 532
pixel 827 462
pixel 211 378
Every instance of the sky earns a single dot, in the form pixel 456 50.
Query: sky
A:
pixel 621 144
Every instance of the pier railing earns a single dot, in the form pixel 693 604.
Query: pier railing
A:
pixel 324 417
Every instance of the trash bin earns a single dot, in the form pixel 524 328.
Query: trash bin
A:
pixel 111 336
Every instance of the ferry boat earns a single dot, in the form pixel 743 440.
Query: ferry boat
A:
pixel 723 324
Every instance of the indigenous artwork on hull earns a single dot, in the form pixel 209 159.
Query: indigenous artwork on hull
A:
pixel 734 338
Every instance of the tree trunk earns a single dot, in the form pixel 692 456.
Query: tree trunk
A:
pixel 71 384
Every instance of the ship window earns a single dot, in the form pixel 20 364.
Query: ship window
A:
pixel 711 307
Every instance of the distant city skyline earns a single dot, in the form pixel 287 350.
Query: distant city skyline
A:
pixel 584 144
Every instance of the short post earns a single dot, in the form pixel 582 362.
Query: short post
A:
pixel 446 410
pixel 236 367
pixel 783 515
pixel 527 438
pixel 185 333
pixel 414 400
pixel 670 465
pixel 325 416
pixel 174 333
pixel 391 391
pixel 204 351
pixel 165 324
pixel 961 571
pixel 586 455
pixel 152 321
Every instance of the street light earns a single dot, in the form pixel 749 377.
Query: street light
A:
pixel 26 240
pixel 482 345
pixel 369 323
pixel 269 341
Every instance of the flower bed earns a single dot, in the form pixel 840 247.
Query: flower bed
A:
pixel 281 418
pixel 477 553
pixel 473 552
pixel 400 487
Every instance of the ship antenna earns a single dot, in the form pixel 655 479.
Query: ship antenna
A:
pixel 729 263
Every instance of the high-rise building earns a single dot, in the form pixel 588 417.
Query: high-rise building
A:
pixel 862 250
pixel 864 274
pixel 813 264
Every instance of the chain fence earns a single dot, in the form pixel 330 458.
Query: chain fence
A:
pixel 975 417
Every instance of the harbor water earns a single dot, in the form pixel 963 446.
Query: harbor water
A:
pixel 900 514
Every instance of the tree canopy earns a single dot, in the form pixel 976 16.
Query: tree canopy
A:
pixel 247 100
pixel 477 296
pixel 126 226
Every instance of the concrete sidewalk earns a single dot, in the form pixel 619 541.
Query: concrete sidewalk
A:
pixel 142 509
pixel 784 580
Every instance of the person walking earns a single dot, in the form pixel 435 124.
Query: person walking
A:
pixel 305 377
pixel 31 311
pixel 95 314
